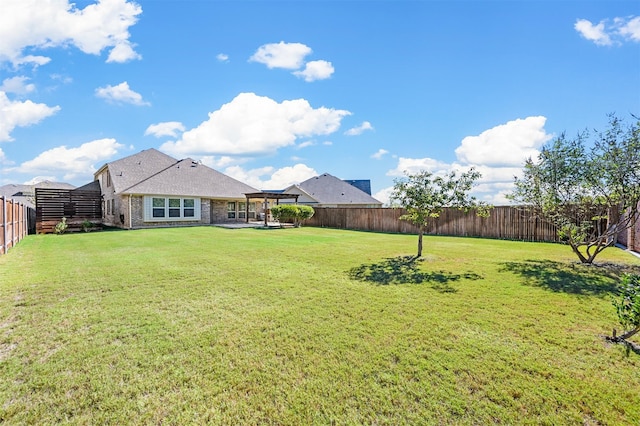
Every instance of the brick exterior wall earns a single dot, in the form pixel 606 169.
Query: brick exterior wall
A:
pixel 631 238
pixel 137 215
pixel 211 211
pixel 115 210
pixel 111 204
pixel 219 212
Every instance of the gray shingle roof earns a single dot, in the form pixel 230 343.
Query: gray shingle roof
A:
pixel 328 189
pixel 151 172
pixel 130 170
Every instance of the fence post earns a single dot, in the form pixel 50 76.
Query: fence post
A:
pixel 13 223
pixel 4 225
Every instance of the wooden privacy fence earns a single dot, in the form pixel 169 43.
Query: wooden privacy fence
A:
pixel 14 223
pixel 73 204
pixel 505 222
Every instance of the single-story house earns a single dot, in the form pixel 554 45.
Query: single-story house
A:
pixel 151 189
pixel 329 191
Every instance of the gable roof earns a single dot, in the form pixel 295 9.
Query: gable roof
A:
pixel 328 189
pixel 130 170
pixel 151 172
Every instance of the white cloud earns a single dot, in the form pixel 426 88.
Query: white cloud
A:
pixel 20 114
pixel 168 128
pixel 61 78
pixel 492 187
pixel 37 24
pixel 493 175
pixel 79 162
pixel 288 176
pixel 123 52
pixel 498 154
pixel 315 70
pixel 384 195
pixel 629 29
pixel 306 144
pixel 608 32
pixel 120 94
pixel 505 145
pixel 379 154
pixel 38 179
pixel 221 162
pixel 358 130
pixel 414 165
pixel 595 33
pixel 17 85
pixel 275 179
pixel 281 55
pixel 222 57
pixel 252 125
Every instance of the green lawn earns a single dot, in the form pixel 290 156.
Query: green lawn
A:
pixel 308 326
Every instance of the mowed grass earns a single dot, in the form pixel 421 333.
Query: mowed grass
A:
pixel 308 326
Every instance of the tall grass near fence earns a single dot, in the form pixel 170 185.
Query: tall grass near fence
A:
pixel 308 326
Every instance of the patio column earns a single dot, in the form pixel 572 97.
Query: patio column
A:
pixel 266 210
pixel 247 210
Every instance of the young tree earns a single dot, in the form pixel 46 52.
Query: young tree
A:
pixel 424 196
pixel 294 213
pixel 590 194
pixel 627 304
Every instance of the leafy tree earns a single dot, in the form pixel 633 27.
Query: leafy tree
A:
pixel 590 194
pixel 425 195
pixel 294 213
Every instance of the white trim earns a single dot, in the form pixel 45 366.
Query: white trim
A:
pixel 148 209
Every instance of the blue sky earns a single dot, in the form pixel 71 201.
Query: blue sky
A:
pixel 273 93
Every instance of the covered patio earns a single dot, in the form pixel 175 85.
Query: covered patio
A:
pixel 266 196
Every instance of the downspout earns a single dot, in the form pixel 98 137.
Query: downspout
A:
pixel 130 218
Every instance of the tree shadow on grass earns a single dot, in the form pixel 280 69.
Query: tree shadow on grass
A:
pixel 572 278
pixel 404 270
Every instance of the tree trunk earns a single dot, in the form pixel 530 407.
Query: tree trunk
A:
pixel 576 250
pixel 629 334
pixel 420 233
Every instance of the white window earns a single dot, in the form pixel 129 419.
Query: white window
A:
pixel 161 208
pixel 231 210
pixel 242 210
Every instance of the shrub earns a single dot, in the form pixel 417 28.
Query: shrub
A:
pixel 61 226
pixel 87 225
pixel 627 304
pixel 292 213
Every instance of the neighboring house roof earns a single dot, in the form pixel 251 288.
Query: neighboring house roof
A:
pixel 363 185
pixel 91 186
pixel 151 172
pixel 328 189
pixel 26 193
